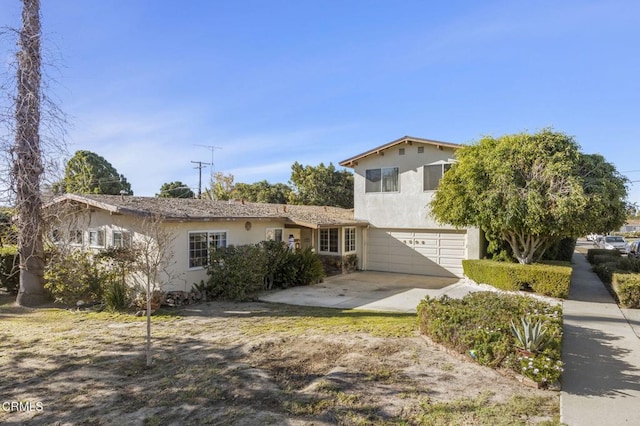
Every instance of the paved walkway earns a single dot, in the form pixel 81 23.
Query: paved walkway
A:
pixel 601 352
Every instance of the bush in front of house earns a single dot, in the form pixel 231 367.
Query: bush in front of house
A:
pixel 479 325
pixel 235 272
pixel 74 275
pixel 548 280
pixel 9 272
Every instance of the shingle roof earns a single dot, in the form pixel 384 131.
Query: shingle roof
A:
pixel 193 210
pixel 350 162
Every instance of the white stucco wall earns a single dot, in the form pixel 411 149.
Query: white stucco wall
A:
pixel 407 208
pixel 182 277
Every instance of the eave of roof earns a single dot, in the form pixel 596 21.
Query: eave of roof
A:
pixel 353 161
pixel 190 210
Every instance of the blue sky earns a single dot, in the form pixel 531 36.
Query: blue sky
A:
pixel 146 82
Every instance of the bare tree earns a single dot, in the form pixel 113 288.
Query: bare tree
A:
pixel 153 247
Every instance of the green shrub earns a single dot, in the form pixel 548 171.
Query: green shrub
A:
pixel 236 271
pixel 117 296
pixel 605 271
pixel 9 272
pixel 561 250
pixel 627 288
pixel 604 258
pixel 308 267
pixel 591 253
pixel 76 275
pixel 479 325
pixel 548 280
pixel 628 265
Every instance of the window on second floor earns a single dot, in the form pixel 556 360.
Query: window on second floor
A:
pixel 385 179
pixel 432 175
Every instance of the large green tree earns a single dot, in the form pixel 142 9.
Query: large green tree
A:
pixel 175 189
pixel 262 192
pixel 321 186
pixel 530 190
pixel 89 173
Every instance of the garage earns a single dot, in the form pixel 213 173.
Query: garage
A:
pixel 422 252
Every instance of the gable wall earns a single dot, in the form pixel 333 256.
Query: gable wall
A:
pixel 408 207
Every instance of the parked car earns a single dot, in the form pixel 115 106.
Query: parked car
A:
pixel 633 249
pixel 611 242
pixel 597 240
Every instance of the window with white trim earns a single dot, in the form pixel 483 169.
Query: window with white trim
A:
pixel 96 237
pixel 385 179
pixel 433 173
pixel 121 239
pixel 275 234
pixel 201 242
pixel 330 240
pixel 349 240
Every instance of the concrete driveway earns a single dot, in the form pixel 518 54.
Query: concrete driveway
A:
pixel 375 291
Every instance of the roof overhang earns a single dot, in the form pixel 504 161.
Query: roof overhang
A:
pixel 405 140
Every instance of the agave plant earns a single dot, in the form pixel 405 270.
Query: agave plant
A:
pixel 533 336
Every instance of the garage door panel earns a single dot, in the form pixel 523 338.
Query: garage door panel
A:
pixel 457 253
pixel 420 252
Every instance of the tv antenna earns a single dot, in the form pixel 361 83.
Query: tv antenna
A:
pixel 212 148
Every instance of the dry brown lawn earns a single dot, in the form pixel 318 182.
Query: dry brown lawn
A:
pixel 247 364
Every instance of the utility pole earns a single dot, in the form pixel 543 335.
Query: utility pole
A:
pixel 212 148
pixel 200 166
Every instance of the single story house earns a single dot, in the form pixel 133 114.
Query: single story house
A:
pixel 393 185
pixel 99 221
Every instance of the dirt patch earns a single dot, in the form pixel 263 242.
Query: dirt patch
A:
pixel 245 364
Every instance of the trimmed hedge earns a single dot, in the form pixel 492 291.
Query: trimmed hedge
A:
pixel 627 287
pixel 9 274
pixel 548 280
pixel 592 253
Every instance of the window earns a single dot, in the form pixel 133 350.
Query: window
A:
pixel 121 239
pixel 75 236
pixel 421 150
pixel 96 238
pixel 382 180
pixel 199 244
pixel 329 240
pixel 401 151
pixel 275 234
pixel 433 173
pixel 349 240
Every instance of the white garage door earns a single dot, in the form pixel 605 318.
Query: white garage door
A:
pixel 422 252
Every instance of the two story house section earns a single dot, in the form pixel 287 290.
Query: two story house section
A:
pixel 393 185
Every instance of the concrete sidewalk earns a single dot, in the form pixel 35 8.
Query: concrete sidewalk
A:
pixel 601 352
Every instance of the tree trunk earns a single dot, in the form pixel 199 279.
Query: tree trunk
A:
pixel 27 167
